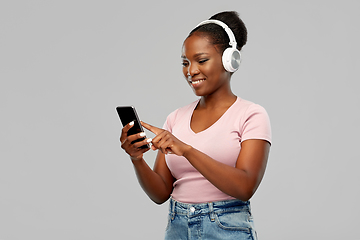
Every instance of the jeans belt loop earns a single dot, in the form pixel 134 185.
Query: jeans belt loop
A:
pixel 173 202
pixel 212 214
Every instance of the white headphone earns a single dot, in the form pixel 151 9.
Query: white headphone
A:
pixel 231 57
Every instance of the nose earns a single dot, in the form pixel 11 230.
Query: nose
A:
pixel 193 70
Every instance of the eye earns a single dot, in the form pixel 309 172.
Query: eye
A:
pixel 185 63
pixel 201 61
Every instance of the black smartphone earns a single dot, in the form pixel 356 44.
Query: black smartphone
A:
pixel 128 114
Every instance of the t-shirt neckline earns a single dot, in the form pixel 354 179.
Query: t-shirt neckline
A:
pixel 215 123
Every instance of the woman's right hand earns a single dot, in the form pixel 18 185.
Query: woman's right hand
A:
pixel 134 150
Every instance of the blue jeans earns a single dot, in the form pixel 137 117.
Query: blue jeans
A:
pixel 229 219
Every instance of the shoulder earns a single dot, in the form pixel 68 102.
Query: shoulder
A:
pixel 245 108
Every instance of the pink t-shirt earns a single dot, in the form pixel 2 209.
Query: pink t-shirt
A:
pixel 221 141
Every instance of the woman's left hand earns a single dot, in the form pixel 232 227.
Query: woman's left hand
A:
pixel 166 142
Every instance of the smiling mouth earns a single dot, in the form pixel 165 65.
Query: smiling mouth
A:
pixel 195 83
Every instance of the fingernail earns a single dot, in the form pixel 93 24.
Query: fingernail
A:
pixel 131 123
pixel 149 140
pixel 142 134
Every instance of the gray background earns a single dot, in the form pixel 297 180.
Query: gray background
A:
pixel 65 66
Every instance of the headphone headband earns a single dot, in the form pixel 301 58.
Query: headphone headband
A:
pixel 231 56
pixel 225 27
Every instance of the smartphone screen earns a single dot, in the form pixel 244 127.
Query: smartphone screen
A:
pixel 128 114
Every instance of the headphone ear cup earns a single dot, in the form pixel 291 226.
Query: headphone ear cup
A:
pixel 231 59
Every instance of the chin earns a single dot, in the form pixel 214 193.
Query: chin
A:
pixel 200 94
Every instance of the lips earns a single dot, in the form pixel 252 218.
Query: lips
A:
pixel 196 82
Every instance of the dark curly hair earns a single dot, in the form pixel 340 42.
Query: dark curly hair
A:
pixel 218 35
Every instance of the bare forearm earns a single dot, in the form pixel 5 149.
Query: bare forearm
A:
pixel 230 180
pixel 151 182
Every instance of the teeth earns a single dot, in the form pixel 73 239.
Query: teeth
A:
pixel 197 81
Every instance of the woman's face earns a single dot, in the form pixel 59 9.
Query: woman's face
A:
pixel 202 66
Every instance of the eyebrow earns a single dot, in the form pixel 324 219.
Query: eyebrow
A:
pixel 196 55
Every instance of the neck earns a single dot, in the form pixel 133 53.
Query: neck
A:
pixel 217 101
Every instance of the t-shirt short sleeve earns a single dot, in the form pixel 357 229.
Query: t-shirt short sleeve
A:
pixel 256 124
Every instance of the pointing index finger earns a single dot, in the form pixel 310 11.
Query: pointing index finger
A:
pixel 151 128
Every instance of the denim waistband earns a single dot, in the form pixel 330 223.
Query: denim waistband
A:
pixel 176 207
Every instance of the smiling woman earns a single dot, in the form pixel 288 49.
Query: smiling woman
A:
pixel 212 153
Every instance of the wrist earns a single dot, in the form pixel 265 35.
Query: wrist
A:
pixel 187 150
pixel 136 159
